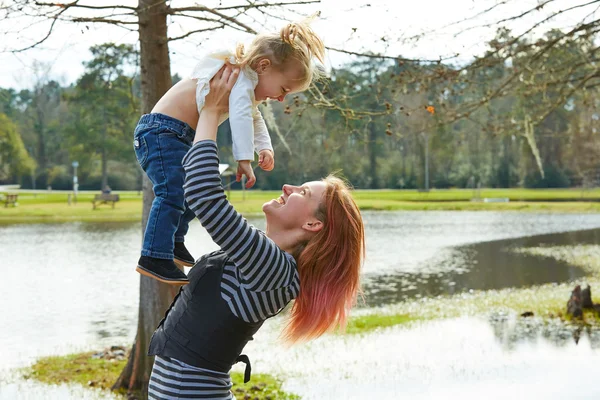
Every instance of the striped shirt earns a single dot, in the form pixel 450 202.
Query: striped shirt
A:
pixel 259 279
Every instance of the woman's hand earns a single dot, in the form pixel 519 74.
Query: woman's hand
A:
pixel 216 102
pixel 221 84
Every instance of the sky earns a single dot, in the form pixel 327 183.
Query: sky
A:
pixel 346 24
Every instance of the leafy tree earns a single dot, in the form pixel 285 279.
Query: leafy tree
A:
pixel 103 108
pixel 14 159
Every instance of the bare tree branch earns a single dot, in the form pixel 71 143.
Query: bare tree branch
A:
pixel 536 8
pixel 264 5
pixel 77 5
pixel 563 99
pixel 555 14
pixel 385 57
pixel 42 40
pixel 104 21
pixel 171 39
pixel 213 20
pixel 175 11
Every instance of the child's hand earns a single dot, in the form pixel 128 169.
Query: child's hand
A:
pixel 245 168
pixel 266 159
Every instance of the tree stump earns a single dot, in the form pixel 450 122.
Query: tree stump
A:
pixel 586 298
pixel 581 300
pixel 574 308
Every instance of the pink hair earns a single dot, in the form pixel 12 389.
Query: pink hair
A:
pixel 329 267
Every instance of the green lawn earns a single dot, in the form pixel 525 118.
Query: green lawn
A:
pixel 84 370
pixel 467 194
pixel 54 207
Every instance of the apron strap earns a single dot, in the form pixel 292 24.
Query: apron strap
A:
pixel 244 358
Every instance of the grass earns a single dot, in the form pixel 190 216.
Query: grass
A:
pixel 519 195
pixel 42 206
pixel 368 323
pixel 79 369
pixel 545 301
pixel 82 369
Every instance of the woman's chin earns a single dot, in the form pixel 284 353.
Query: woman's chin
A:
pixel 271 206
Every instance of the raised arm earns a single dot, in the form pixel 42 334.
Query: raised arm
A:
pixel 263 265
pixel 241 119
pixel 262 140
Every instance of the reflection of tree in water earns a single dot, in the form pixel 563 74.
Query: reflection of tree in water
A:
pixel 108 227
pixel 511 332
pixel 112 325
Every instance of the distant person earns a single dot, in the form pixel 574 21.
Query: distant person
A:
pixel 275 65
pixel 106 190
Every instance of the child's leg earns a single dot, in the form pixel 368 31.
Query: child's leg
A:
pixel 161 143
pixel 184 223
pixel 167 175
pixel 183 257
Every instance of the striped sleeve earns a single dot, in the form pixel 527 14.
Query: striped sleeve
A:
pixel 254 306
pixel 262 264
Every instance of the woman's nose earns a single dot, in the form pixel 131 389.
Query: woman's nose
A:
pixel 289 189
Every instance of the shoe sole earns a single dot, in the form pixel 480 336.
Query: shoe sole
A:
pixel 149 274
pixel 182 263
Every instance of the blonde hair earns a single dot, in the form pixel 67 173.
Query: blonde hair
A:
pixel 296 43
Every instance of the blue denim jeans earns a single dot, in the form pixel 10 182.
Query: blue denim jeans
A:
pixel 160 143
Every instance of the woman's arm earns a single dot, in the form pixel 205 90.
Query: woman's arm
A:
pixel 208 123
pixel 262 265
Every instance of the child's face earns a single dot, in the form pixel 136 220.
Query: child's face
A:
pixel 275 84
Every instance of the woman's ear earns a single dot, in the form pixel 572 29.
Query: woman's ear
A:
pixel 313 226
pixel 263 65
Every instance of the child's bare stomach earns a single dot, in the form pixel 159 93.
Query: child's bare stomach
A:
pixel 180 102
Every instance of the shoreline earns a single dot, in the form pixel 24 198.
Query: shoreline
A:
pixel 131 211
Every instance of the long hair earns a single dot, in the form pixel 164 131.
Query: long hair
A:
pixel 296 43
pixel 329 267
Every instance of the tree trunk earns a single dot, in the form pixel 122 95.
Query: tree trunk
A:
pixel 373 155
pixel 404 151
pixel 155 297
pixel 40 130
pixel 104 167
pixel 104 183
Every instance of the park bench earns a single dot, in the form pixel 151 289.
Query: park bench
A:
pixel 105 198
pixel 10 199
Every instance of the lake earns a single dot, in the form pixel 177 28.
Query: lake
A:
pixel 72 287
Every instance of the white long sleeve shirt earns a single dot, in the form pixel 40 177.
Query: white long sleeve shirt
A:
pixel 248 129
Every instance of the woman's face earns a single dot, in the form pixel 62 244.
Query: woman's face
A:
pixel 296 206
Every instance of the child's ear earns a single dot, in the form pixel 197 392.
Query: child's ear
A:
pixel 263 65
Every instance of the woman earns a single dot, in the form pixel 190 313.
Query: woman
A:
pixel 312 252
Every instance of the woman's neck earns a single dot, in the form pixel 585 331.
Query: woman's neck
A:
pixel 286 240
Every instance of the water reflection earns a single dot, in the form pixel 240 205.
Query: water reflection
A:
pixel 461 358
pixel 511 331
pixel 481 266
